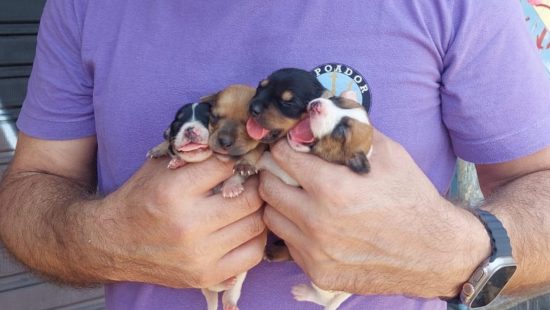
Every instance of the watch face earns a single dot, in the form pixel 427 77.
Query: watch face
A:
pixel 493 286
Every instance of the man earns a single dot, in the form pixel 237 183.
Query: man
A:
pixel 448 78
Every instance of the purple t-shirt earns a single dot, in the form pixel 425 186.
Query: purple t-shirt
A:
pixel 447 79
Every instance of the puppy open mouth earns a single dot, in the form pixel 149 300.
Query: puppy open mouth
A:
pixel 193 149
pixel 302 133
pixel 300 138
pixel 259 133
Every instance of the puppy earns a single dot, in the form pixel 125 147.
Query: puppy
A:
pixel 217 124
pixel 339 131
pixel 280 103
pixel 229 137
pixel 186 139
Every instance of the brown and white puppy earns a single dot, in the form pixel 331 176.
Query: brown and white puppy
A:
pixel 186 139
pixel 229 137
pixel 338 130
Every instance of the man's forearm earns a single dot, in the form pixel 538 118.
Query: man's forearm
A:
pixel 51 224
pixel 523 206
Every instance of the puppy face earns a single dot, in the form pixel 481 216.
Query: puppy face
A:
pixel 188 133
pixel 340 132
pixel 228 117
pixel 280 103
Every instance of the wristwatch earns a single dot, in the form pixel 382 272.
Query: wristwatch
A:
pixel 492 275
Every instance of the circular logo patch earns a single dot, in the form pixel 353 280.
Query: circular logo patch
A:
pixel 338 78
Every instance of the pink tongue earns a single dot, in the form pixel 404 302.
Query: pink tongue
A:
pixel 254 129
pixel 301 133
pixel 192 146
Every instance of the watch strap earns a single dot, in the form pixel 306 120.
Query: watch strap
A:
pixel 500 242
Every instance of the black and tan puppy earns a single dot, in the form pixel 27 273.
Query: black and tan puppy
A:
pixel 229 137
pixel 280 103
pixel 186 139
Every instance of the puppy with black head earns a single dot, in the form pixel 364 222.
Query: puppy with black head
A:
pixel 217 123
pixel 280 103
pixel 186 139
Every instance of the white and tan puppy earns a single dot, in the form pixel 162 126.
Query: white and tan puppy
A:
pixel 339 131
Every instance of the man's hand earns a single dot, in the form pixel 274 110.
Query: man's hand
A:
pixel 388 232
pixel 162 226
pixel 169 229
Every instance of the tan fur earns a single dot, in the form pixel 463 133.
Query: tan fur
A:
pixel 287 95
pixel 272 118
pixel 230 107
pixel 264 83
pixel 346 103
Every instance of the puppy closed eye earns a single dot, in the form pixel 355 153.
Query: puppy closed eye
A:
pixel 214 118
pixel 286 102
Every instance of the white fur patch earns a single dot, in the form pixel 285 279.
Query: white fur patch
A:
pixel 324 123
pixel 180 136
pixel 266 162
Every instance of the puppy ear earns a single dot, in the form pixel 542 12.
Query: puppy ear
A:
pixel 210 99
pixel 327 94
pixel 166 134
pixel 349 94
pixel 359 163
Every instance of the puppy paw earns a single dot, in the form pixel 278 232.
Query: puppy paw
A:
pixel 159 150
pixel 175 163
pixel 230 307
pixel 304 292
pixel 225 285
pixel 244 169
pixel 155 153
pixel 229 283
pixel 232 188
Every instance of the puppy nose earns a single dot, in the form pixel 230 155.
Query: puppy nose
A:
pixel 225 141
pixel 190 133
pixel 315 106
pixel 256 109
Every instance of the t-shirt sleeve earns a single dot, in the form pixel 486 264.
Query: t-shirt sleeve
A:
pixel 495 91
pixel 58 104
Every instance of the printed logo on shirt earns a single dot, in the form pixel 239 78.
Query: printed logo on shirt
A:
pixel 338 78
